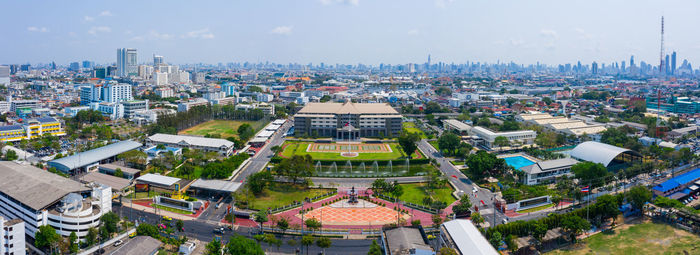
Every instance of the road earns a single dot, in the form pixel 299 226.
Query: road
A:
pixel 202 229
pixel 464 185
pixel 260 159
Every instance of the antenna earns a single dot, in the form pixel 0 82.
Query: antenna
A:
pixel 658 87
pixel 661 53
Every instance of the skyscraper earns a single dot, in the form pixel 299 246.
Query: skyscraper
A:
pixel 673 63
pixel 594 68
pixel 157 60
pixel 127 62
pixel 632 61
pixel 667 68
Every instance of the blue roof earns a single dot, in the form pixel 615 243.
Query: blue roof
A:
pixel 678 180
pixel 11 127
pixel 46 119
pixel 88 157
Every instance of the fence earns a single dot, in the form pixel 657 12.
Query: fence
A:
pixel 408 204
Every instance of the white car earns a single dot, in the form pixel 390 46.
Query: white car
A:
pixel 475 189
pixel 118 242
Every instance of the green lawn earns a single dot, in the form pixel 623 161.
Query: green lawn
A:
pixel 645 238
pixel 299 148
pixel 415 192
pixel 278 195
pixel 197 173
pixel 534 209
pixel 435 145
pixel 225 128
pixel 172 209
pixel 410 127
pixel 458 162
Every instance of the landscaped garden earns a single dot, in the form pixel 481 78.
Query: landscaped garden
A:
pixel 222 128
pixel 417 192
pixel 410 127
pixel 645 238
pixel 278 195
pixel 366 151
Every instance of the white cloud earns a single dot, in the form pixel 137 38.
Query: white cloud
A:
pixel 549 33
pixel 37 29
pixel 88 18
pixel 517 42
pixel 443 3
pixel 200 34
pixel 160 36
pixel 413 32
pixel 582 34
pixel 136 39
pixel 106 13
pixel 282 30
pixel 99 29
pixel 348 2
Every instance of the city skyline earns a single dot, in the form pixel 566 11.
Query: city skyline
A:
pixel 545 32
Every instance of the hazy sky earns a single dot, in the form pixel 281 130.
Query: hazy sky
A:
pixel 348 31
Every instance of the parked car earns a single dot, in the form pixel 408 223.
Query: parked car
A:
pixel 118 242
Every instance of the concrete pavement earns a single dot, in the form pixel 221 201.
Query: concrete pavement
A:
pixel 260 159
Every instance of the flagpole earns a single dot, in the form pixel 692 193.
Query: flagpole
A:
pixel 589 200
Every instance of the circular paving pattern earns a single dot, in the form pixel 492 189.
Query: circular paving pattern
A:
pixel 352 216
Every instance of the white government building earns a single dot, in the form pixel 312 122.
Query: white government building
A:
pixel 521 137
pixel 40 198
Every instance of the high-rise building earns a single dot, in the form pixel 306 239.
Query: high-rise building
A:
pixel 88 64
pixel 4 74
pixel 594 68
pixel 673 63
pixel 666 66
pixel 74 66
pixel 127 62
pixel 157 60
pixel 117 92
pixel 12 236
pixel 631 61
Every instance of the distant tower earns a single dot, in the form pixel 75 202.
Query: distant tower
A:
pixel 661 53
pixel 673 63
pixel 428 59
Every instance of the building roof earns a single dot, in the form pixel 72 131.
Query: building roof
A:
pixel 402 240
pixel 461 126
pixel 88 157
pixel 216 185
pixel 682 179
pixel 46 119
pixel 547 165
pixel 598 152
pixel 11 127
pixel 190 140
pixel 593 129
pixel 158 179
pixel 467 238
pixel 34 187
pixel 348 108
pixel 128 170
pixel 116 183
pixel 139 245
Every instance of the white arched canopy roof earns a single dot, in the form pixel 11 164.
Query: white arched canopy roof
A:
pixel 598 152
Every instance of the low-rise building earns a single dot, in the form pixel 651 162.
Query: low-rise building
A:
pixel 12 236
pixel 521 137
pixel 460 127
pixel 89 160
pixel 405 240
pixel 465 238
pixel 186 106
pixel 547 171
pixel 33 128
pixel 222 146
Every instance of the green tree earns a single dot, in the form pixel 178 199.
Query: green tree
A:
pixel 501 141
pixel 539 230
pixel 639 195
pixel 324 243
pixel 145 229
pixel 374 248
pixel 213 248
pixel 261 217
pixel 607 206
pixel 258 181
pixel 307 240
pixel 463 207
pixel 483 164
pixel 180 225
pixel 408 141
pixel 380 185
pixel 477 218
pixel 73 239
pixel 91 236
pixel 449 142
pixel 495 239
pixel 46 237
pixel 574 225
pixel 313 224
pixel 10 155
pixel 447 251
pixel 109 221
pixel 118 173
pixel 589 172
pixel 239 245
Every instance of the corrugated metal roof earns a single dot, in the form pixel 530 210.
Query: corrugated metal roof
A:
pixel 218 185
pixel 191 140
pixel 468 239
pixel 11 127
pixel 34 187
pixel 116 183
pixel 158 179
pixel 678 180
pixel 94 155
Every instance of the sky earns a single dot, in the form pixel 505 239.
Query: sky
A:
pixel 348 31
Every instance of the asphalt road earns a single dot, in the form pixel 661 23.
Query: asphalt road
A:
pixel 261 158
pixel 464 185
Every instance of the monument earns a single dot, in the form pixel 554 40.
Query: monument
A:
pixel 353 196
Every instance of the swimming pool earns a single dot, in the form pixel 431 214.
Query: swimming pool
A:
pixel 518 161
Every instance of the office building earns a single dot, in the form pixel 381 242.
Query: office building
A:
pixel 165 92
pixel 117 92
pixel 90 93
pixel 465 238
pixel 111 110
pixel 673 63
pixel 221 146
pixel 160 78
pixel 72 111
pixel 32 128
pixel 186 106
pixel 12 236
pixel 4 107
pixel 23 104
pixel 157 60
pixel 127 62
pixel 229 89
pixel 515 138
pixel 678 105
pixel 133 106
pixel 347 120
pixel 4 74
pixel 547 171
pixel 41 198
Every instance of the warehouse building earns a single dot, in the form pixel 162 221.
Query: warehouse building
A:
pixel 221 146
pixel 89 160
pixel 465 238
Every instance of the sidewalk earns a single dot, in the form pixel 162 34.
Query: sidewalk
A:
pixel 161 212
